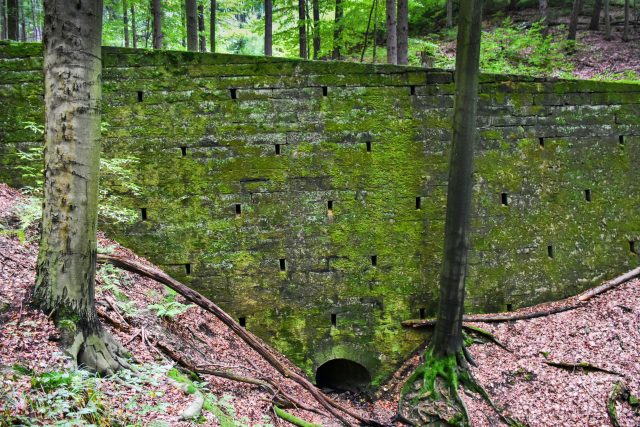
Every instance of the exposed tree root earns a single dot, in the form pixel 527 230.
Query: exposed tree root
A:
pixel 334 408
pixel 195 407
pixel 98 350
pixel 292 418
pixel 582 366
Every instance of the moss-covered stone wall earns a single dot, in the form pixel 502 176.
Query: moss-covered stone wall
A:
pixel 308 197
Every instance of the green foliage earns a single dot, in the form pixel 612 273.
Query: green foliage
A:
pixel 169 308
pixel 112 281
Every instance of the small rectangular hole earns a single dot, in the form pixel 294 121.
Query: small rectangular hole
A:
pixel 550 251
pixel 242 321
pixel 587 195
pixel 632 246
pixel 283 264
pixel 234 93
pixel 238 209
pixel 143 214
pixel 325 91
pixel 374 260
pixel 277 149
pixel 509 307
pixel 368 146
pixel 183 150
pixel 541 141
pixel 418 202
pixel 330 207
pixel 140 96
pixel 412 89
pixel 334 319
pixel 504 197
pixel 423 313
pixel 621 139
pixel 187 268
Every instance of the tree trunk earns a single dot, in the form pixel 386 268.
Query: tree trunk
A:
pixel 594 25
pixel 23 24
pixel 3 20
pixel 607 20
pixel 449 13
pixel 573 20
pixel 375 31
pixel 156 12
pixel 212 26
pixel 316 28
pixel 66 264
pixel 13 29
pixel 134 34
pixel 302 30
pixel 201 37
pixel 125 22
pixel 337 30
pixel 268 27
pixel 392 40
pixel 513 4
pixel 447 338
pixel 403 32
pixel 625 33
pixel 192 24
pixel 36 36
pixel 544 12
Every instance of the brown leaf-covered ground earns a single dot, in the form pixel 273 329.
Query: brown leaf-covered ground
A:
pixel 605 332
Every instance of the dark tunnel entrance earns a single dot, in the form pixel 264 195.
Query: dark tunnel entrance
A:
pixel 342 375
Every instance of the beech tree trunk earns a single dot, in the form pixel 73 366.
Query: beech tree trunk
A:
pixel 403 32
pixel 573 19
pixel 212 26
pixel 13 20
pixel 201 37
pixel 449 13
pixel 3 20
pixel 268 27
pixel 544 13
pixel 134 34
pixel 66 263
pixel 447 338
pixel 191 10
pixel 302 29
pixel 392 39
pixel 607 20
pixel 125 22
pixel 156 12
pixel 316 28
pixel 594 25
pixel 625 32
pixel 337 30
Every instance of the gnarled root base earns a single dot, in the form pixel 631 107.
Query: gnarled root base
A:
pixel 97 351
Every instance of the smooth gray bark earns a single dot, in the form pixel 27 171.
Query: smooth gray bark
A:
pixel 594 25
pixel 212 26
pixel 302 29
pixel 449 13
pixel 66 265
pixel 13 20
pixel 337 30
pixel 268 27
pixel 156 13
pixel 447 338
pixel 625 32
pixel 403 32
pixel 573 19
pixel 316 28
pixel 191 11
pixel 392 40
pixel 202 40
pixel 543 8
pixel 607 20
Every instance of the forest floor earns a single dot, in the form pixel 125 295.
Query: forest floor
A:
pixel 38 386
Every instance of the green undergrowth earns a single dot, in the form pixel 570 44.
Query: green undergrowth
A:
pixel 168 307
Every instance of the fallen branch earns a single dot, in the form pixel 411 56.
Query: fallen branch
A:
pixel 585 366
pixel 195 297
pixel 195 407
pixel 581 299
pixel 292 418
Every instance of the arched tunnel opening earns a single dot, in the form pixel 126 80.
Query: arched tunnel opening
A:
pixel 342 375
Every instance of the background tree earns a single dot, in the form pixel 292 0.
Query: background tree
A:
pixel 595 16
pixel 337 30
pixel 392 41
pixel 268 27
pixel 134 32
pixel 625 32
pixel 202 40
pixel 13 20
pixel 212 26
pixel 192 24
pixel 573 19
pixel 156 12
pixel 403 32
pixel 66 264
pixel 125 22
pixel 607 20
pixel 302 28
pixel 316 28
pixel 449 7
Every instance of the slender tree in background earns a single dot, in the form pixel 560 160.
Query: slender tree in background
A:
pixel 268 27
pixel 201 37
pixel 573 19
pixel 337 30
pixel 316 28
pixel 23 24
pixel 403 32
pixel 125 22
pixel 449 13
pixel 607 20
pixel 594 25
pixel 66 264
pixel 156 13
pixel 134 34
pixel 392 41
pixel 191 10
pixel 625 32
pixel 212 26
pixel 544 13
pixel 3 20
pixel 445 360
pixel 13 29
pixel 302 29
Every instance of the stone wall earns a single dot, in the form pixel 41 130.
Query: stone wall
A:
pixel 308 197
